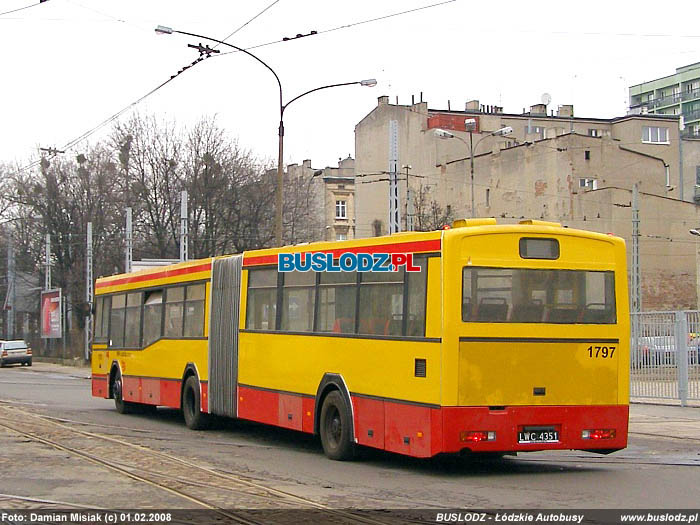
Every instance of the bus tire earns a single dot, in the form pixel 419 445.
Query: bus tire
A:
pixel 335 428
pixel 195 419
pixel 123 407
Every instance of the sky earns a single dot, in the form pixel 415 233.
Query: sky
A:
pixel 69 65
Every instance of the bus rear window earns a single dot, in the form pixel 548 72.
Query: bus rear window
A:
pixel 519 295
pixel 531 248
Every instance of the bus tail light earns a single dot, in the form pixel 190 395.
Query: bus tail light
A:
pixel 476 436
pixel 599 433
pixel 29 351
pixel 4 353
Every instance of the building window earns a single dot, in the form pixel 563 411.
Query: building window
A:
pixel 341 237
pixel 587 155
pixel 697 175
pixel 536 130
pixel 592 132
pixel 589 184
pixel 655 135
pixel 341 210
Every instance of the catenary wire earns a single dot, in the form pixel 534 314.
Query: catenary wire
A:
pixel 22 8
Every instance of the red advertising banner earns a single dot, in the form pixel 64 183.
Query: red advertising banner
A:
pixel 51 318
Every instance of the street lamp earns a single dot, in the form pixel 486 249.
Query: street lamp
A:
pixel 371 82
pixel 470 126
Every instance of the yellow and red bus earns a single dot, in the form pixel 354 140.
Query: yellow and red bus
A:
pixel 503 338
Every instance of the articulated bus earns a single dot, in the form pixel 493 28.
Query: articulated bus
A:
pixel 480 338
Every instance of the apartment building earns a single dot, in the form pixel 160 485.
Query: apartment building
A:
pixel 677 94
pixel 329 199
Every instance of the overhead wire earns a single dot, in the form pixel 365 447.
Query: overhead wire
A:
pixel 23 8
pixel 248 22
pixel 347 26
pixel 115 116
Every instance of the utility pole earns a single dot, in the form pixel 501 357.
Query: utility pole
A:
pixel 47 264
pixel 183 226
pixel 10 302
pixel 409 201
pixel 636 270
pixel 89 293
pixel 394 206
pixel 129 241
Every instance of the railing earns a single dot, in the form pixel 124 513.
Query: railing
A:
pixel 690 95
pixel 664 356
pixel 670 100
pixel 691 115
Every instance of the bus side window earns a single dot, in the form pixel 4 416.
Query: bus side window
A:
pixel 416 290
pixel 152 317
pixel 132 333
pixel 261 309
pixel 194 311
pixel 174 302
pixel 337 293
pixel 298 298
pixel 101 319
pixel 116 321
pixel 381 303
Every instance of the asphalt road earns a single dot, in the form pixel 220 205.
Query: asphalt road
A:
pixel 659 469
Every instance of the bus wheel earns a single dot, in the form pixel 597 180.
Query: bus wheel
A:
pixel 335 428
pixel 195 419
pixel 123 407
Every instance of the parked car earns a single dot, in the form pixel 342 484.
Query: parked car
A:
pixel 15 352
pixel 654 351
pixel 660 350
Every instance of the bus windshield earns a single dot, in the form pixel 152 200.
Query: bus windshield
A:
pixel 520 295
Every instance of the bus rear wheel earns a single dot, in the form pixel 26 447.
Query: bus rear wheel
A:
pixel 335 428
pixel 195 419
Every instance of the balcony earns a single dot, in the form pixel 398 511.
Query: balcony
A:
pixel 691 116
pixel 690 95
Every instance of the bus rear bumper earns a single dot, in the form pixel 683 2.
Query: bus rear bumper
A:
pixel 466 429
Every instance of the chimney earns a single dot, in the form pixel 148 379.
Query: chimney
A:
pixel 472 105
pixel 538 109
pixel 382 100
pixel 306 164
pixel 566 111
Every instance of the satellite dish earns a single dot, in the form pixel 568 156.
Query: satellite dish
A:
pixel 546 98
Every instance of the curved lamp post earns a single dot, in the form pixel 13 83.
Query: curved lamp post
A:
pixel 470 125
pixel 280 168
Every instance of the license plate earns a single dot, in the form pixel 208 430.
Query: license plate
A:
pixel 538 436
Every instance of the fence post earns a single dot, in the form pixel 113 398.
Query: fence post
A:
pixel 682 356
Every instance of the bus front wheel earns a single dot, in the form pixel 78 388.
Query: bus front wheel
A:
pixel 195 419
pixel 335 428
pixel 123 407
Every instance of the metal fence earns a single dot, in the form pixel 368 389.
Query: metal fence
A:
pixel 664 355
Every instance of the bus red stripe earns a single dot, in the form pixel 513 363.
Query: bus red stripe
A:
pixel 153 276
pixel 432 245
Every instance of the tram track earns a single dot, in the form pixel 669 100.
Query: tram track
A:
pixel 197 484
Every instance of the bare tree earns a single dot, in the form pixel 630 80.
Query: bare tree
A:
pixel 429 214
